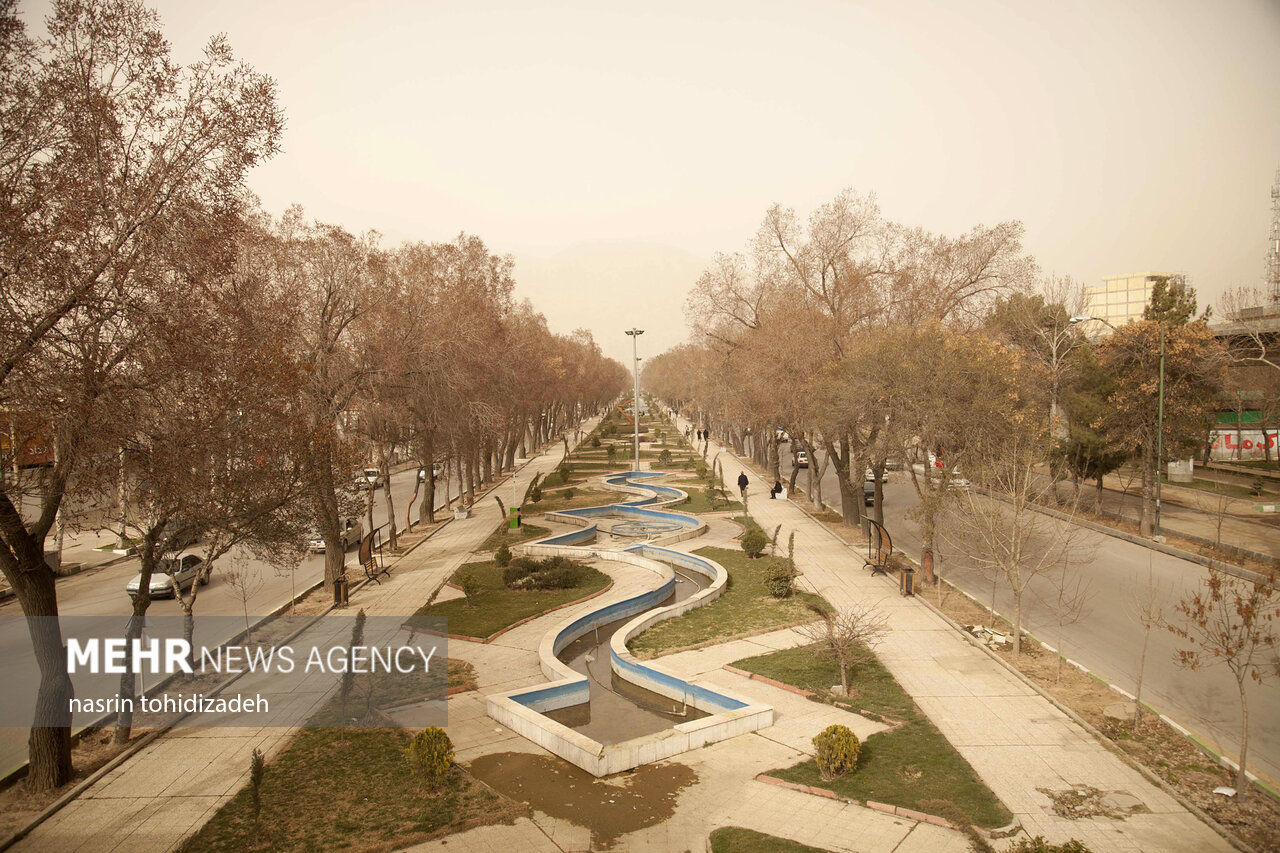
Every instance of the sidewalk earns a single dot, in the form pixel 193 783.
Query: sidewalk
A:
pixel 173 786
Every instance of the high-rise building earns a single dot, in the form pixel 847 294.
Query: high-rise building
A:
pixel 1119 299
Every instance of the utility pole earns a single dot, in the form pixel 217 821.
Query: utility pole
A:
pixel 634 334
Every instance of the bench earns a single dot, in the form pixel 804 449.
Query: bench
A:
pixel 879 548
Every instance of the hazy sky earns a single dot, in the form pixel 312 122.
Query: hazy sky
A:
pixel 1127 136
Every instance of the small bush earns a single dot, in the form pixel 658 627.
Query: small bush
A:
pixel 595 441
pixel 469 581
pixel 1255 488
pixel 664 458
pixel 430 756
pixel 568 494
pixel 700 471
pixel 778 578
pixel 535 494
pixel 754 541
pixel 503 555
pixel 257 771
pixel 551 573
pixel 836 751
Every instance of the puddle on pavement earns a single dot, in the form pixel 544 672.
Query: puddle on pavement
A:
pixel 610 808
pixel 619 710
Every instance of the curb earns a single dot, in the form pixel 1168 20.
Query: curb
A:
pixel 885 808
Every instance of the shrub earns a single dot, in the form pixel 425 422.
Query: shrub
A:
pixel 836 751
pixel 430 756
pixel 778 577
pixel 568 494
pixel 503 555
pixel 700 471
pixel 257 771
pixel 469 581
pixel 664 458
pixel 1255 488
pixel 754 542
pixel 551 573
pixel 535 494
pixel 595 441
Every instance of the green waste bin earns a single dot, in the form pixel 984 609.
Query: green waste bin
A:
pixel 514 521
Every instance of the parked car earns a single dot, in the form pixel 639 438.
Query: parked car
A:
pixel 954 479
pixel 436 470
pixel 352 533
pixel 802 459
pixel 869 488
pixel 370 478
pixel 185 568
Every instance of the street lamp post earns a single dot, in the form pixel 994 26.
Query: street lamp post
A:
pixel 1159 408
pixel 634 334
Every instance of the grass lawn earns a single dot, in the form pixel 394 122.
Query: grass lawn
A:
pixel 555 500
pixel 1213 488
pixel 735 839
pixel 744 608
pixel 698 502
pixel 496 607
pixel 332 789
pixel 503 534
pixel 913 766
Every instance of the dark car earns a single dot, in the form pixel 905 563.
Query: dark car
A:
pixel 185 568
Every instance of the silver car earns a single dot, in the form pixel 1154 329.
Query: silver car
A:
pixel 185 568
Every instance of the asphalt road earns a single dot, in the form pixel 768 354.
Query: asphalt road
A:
pixel 94 603
pixel 1107 638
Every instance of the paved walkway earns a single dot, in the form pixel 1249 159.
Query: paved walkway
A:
pixel 1016 740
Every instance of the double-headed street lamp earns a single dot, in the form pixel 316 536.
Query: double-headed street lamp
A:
pixel 1159 406
pixel 634 334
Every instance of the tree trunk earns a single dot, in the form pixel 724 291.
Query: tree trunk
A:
pixel 1148 495
pixel 1242 780
pixel 1142 670
pixel 392 539
pixel 49 741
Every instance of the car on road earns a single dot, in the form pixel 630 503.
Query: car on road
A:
pixel 436 470
pixel 370 478
pixel 954 480
pixel 186 569
pixel 352 533
pixel 802 459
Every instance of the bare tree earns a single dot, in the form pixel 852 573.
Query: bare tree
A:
pixel 110 149
pixel 244 579
pixel 847 637
pixel 1232 622
pixel 1148 608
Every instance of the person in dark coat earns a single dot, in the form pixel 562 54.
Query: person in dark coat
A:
pixel 776 490
pixel 742 483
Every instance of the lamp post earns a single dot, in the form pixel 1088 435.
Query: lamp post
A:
pixel 1159 408
pixel 634 334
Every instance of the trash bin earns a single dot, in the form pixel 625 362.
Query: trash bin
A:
pixel 514 521
pixel 341 591
pixel 908 581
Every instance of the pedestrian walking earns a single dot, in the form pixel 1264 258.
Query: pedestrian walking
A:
pixel 742 484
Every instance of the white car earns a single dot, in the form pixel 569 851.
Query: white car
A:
pixel 370 478
pixel 436 470
pixel 802 459
pixel 352 533
pixel 185 568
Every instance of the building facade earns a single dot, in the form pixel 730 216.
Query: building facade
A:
pixel 1119 299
